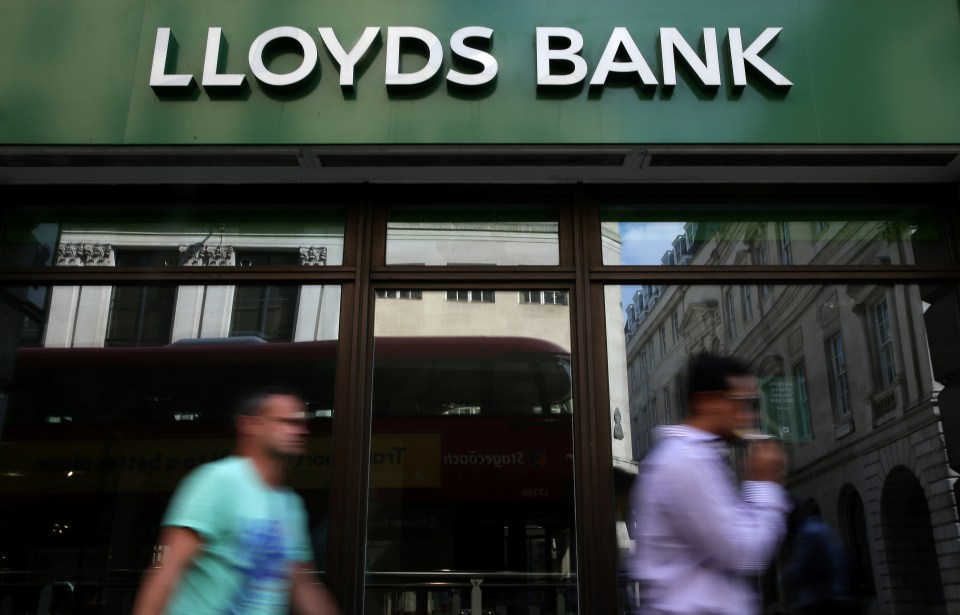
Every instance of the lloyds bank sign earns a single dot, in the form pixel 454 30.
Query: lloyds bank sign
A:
pixel 502 72
pixel 414 56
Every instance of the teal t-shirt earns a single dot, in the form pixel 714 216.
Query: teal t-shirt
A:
pixel 252 535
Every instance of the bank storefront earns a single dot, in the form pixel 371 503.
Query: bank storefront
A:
pixel 483 240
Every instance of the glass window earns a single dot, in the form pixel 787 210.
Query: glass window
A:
pixel 95 440
pixel 514 235
pixel 471 480
pixel 184 235
pixel 810 385
pixel 674 235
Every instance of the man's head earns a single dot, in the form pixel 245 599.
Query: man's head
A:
pixel 271 421
pixel 723 395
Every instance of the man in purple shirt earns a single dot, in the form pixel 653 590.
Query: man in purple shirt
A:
pixel 701 540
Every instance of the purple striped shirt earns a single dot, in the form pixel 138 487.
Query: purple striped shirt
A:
pixel 698 539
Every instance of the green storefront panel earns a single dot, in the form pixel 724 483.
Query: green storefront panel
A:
pixel 863 72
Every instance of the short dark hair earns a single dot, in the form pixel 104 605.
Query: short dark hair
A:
pixel 250 401
pixel 710 372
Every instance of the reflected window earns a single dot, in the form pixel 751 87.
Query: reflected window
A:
pixel 746 302
pixel 884 340
pixel 141 315
pixel 264 311
pixel 840 387
pixel 471 296
pixel 544 297
pixel 675 321
pixel 783 241
pixel 802 401
pixel 731 319
pixel 668 418
pixel 399 294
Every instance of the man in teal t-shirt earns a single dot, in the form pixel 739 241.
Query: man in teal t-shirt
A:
pixel 236 537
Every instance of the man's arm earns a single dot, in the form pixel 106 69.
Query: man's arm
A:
pixel 309 596
pixel 738 531
pixel 183 544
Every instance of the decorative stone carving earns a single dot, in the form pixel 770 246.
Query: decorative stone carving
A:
pixel 85 254
pixel 100 255
pixel 207 256
pixel 617 427
pixel 313 256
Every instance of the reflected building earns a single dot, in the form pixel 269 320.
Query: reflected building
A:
pixel 150 315
pixel 847 381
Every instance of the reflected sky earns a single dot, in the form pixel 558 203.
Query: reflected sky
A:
pixel 643 243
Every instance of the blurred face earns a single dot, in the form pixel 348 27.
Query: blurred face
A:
pixel 730 412
pixel 282 426
pixel 738 406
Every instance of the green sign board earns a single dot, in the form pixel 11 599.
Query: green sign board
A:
pixel 148 72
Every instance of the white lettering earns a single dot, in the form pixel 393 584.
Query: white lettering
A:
pixel 211 63
pixel 608 63
pixel 740 56
pixel 671 41
pixel 395 36
pixel 158 73
pixel 546 55
pixel 268 77
pixel 459 47
pixel 348 61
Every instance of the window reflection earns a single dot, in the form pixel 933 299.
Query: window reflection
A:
pixel 471 467
pixel 815 235
pixel 514 235
pixel 94 440
pixel 151 237
pixel 847 382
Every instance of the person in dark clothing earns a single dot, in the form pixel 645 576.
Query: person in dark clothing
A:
pixel 815 576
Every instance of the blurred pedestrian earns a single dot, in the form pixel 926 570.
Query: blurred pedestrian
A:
pixel 235 537
pixel 815 575
pixel 700 540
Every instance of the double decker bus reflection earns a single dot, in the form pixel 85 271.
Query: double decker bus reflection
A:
pixel 470 463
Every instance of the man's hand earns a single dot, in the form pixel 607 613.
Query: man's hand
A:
pixel 766 461
pixel 309 596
